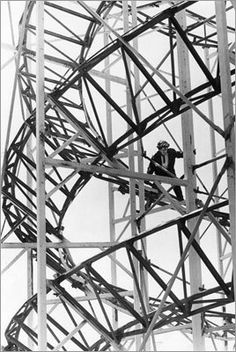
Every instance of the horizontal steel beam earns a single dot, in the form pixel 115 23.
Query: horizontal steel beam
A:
pixel 65 244
pixel 114 172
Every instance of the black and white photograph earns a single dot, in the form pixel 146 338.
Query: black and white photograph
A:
pixel 118 228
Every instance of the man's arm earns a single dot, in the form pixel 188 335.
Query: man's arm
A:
pixel 151 167
pixel 155 166
pixel 179 154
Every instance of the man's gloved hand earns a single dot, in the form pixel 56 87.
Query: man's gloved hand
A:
pixel 122 189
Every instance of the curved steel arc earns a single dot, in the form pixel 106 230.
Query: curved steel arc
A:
pixel 175 310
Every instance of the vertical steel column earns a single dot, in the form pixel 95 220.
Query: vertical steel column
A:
pixel 214 173
pixel 189 161
pixel 132 182
pixel 228 117
pixel 131 146
pixel 29 251
pixel 111 200
pixel 137 101
pixel 143 278
pixel 30 280
pixel 40 158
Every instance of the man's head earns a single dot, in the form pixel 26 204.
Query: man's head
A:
pixel 163 146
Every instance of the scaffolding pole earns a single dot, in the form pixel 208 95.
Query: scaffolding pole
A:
pixel 30 273
pixel 40 157
pixel 189 161
pixel 228 118
pixel 111 200
pixel 131 163
pixel 214 176
pixel 142 226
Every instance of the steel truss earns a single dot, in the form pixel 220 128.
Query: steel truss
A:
pixel 102 104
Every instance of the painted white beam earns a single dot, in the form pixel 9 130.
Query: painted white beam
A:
pixel 189 161
pixel 40 166
pixel 64 244
pixel 92 297
pixel 114 172
pixel 228 119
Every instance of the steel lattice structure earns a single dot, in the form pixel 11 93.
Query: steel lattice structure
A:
pixel 107 98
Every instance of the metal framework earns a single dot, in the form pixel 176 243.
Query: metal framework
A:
pixel 106 80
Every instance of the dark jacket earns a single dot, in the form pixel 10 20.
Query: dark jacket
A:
pixel 172 155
